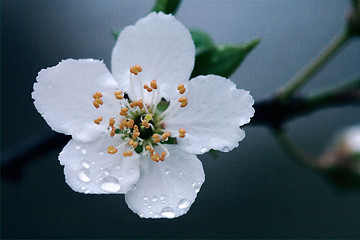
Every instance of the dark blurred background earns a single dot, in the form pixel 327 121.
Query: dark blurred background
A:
pixel 255 191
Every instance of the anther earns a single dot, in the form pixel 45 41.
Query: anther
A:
pixel 183 101
pixel 129 123
pixel 163 155
pixel 96 104
pixel 181 88
pixel 149 89
pixel 135 69
pixel 182 133
pixel 111 150
pixel 127 153
pixel 97 95
pixel 145 124
pixel 153 84
pixel 112 132
pixel 99 101
pixel 150 150
pixel 155 157
pixel 111 122
pixel 133 143
pixel 98 120
pixel 118 95
pixel 156 138
pixel 165 135
pixel 124 111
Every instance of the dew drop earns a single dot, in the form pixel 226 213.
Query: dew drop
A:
pixel 203 150
pixel 110 184
pixel 83 151
pixel 167 171
pixel 85 164
pixel 154 199
pixel 87 191
pixel 146 198
pixel 197 189
pixel 193 183
pixel 183 203
pixel 101 153
pixel 121 178
pixel 131 170
pixel 78 147
pixel 106 173
pixel 162 197
pixel 168 212
pixel 181 173
pixel 83 175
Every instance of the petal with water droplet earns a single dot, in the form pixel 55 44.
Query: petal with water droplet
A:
pixel 174 194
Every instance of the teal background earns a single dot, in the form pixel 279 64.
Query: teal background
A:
pixel 255 191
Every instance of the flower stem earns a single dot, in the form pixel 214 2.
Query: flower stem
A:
pixel 305 74
pixel 295 153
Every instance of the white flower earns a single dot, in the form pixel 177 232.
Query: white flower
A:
pixel 121 137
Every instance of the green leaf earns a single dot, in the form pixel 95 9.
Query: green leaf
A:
pixel 222 60
pixel 202 40
pixel 166 6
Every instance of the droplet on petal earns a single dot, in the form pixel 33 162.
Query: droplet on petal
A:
pixel 168 212
pixel 83 175
pixel 110 184
pixel 183 203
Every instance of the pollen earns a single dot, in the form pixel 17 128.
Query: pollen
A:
pixel 127 153
pixel 97 95
pixel 111 122
pixel 118 95
pixel 182 133
pixel 135 69
pixel 111 150
pixel 183 101
pixel 149 89
pixel 163 155
pixel 98 120
pixel 133 143
pixel 124 111
pixel 181 88
pixel 112 132
pixel 165 136
pixel 96 104
pixel 129 123
pixel 155 157
pixel 145 124
pixel 150 150
pixel 156 138
pixel 153 84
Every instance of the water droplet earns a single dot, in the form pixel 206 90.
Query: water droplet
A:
pixel 78 147
pixel 101 153
pixel 110 184
pixel 181 173
pixel 121 178
pixel 154 199
pixel 83 151
pixel 149 206
pixel 183 203
pixel 85 164
pixel 167 171
pixel 131 170
pixel 118 167
pixel 225 149
pixel 83 175
pixel 162 197
pixel 106 173
pixel 197 189
pixel 168 212
pixel 87 191
pixel 203 150
pixel 193 183
pixel 146 198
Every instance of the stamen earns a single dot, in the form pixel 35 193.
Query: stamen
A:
pixel 124 111
pixel 153 84
pixel 155 157
pixel 111 150
pixel 112 132
pixel 183 101
pixel 165 136
pixel 149 89
pixel 127 153
pixel 98 120
pixel 96 104
pixel 135 69
pixel 156 138
pixel 145 124
pixel 99 101
pixel 182 133
pixel 150 150
pixel 111 122
pixel 119 95
pixel 181 88
pixel 163 155
pixel 133 143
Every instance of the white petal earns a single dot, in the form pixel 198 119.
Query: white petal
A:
pixel 63 96
pixel 90 169
pixel 215 110
pixel 166 189
pixel 162 46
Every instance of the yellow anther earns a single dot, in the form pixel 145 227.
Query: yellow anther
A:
pixel 149 89
pixel 150 150
pixel 135 134
pixel 133 104
pixel 124 111
pixel 184 104
pixel 135 69
pixel 182 132
pixel 111 122
pixel 97 95
pixel 127 153
pixel 99 101
pixel 153 84
pixel 148 117
pixel 112 132
pixel 130 123
pixel 165 136
pixel 183 101
pixel 98 120
pixel 96 104
pixel 140 104
pixel 156 138
pixel 155 157
pixel 133 143
pixel 163 155
pixel 112 150
pixel 181 88
pixel 145 124
pixel 118 95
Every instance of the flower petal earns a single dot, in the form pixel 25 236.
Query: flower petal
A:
pixel 166 189
pixel 162 46
pixel 90 169
pixel 215 110
pixel 63 96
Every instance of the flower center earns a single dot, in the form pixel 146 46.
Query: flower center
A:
pixel 139 125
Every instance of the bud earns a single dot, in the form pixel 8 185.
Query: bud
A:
pixel 342 159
